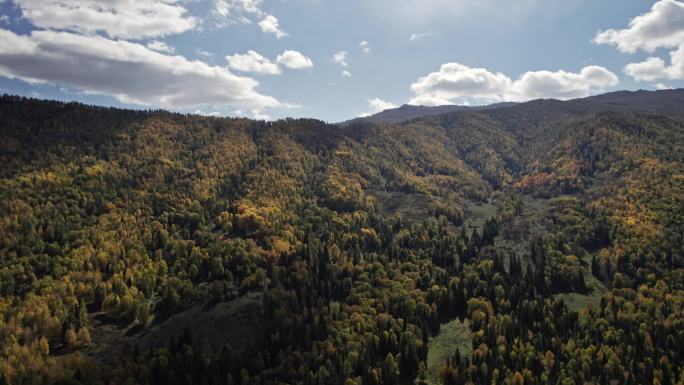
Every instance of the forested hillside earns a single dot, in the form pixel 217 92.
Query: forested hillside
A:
pixel 148 247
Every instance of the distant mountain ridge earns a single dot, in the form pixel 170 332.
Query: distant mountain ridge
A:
pixel 408 112
pixel 662 101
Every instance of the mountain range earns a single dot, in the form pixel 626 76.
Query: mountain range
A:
pixel 537 242
pixel 641 100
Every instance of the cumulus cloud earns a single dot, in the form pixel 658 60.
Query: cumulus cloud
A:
pixel 256 63
pixel 341 58
pixel 269 24
pixel 378 105
pixel 655 68
pixel 458 83
pixel 560 84
pixel 160 46
pixel 294 60
pixel 130 19
pixel 346 74
pixel 252 62
pixel 129 72
pixel 651 69
pixel 662 26
pixel 365 46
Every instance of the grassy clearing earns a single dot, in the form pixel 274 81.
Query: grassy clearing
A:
pixel 238 322
pixel 515 234
pixel 411 207
pixel 416 208
pixel 476 214
pixel 452 335
pixel 576 301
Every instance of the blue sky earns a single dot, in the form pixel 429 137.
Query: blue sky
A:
pixel 307 58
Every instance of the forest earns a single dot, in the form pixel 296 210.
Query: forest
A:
pixel 150 247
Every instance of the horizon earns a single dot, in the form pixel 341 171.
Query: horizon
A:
pixel 276 59
pixel 348 120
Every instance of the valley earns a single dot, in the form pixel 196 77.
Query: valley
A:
pixel 473 246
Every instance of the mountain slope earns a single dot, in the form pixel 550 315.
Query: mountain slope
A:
pixel 300 252
pixel 665 102
pixel 408 112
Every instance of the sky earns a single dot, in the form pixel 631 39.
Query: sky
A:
pixel 331 59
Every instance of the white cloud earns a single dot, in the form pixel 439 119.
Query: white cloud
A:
pixel 210 113
pixel 130 19
pixel 160 46
pixel 226 8
pixel 258 115
pixel 651 69
pixel 346 74
pixel 676 69
pixel 250 6
pixel 204 53
pixel 378 105
pixel 252 62
pixel 455 81
pixel 655 68
pixel 294 60
pixel 269 24
pixel 661 86
pixel 432 100
pixel 560 84
pixel 661 27
pixel 341 58
pixel 226 12
pixel 458 83
pixel 4 18
pixel 365 46
pixel 418 36
pixel 221 9
pixel 129 72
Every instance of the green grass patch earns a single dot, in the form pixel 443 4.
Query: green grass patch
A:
pixel 411 207
pixel 452 335
pixel 577 302
pixel 476 214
